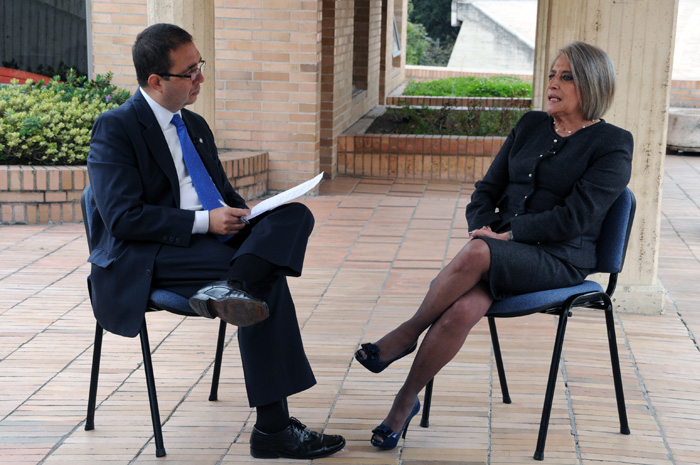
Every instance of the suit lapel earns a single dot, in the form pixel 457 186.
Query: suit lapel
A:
pixel 153 135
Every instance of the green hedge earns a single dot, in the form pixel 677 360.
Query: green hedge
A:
pixel 496 86
pixel 446 121
pixel 51 124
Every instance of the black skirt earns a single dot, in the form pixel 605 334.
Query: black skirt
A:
pixel 518 268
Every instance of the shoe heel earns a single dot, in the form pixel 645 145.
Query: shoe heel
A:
pixel 263 454
pixel 200 307
pixel 405 429
pixel 414 412
pixel 391 439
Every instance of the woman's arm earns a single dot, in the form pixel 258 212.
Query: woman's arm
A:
pixel 481 210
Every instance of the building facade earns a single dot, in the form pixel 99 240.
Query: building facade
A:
pixel 283 77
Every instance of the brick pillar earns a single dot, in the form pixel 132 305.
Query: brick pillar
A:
pixel 197 18
pixel 114 27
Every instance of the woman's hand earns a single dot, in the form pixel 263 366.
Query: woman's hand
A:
pixel 487 232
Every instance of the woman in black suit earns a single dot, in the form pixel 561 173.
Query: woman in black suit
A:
pixel 533 220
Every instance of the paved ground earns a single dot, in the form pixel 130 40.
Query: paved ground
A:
pixel 375 247
pixel 520 16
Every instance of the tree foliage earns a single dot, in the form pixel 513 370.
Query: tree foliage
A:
pixel 436 17
pixel 422 48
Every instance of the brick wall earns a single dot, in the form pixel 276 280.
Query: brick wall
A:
pixel 268 83
pixel 284 73
pixel 51 194
pixel 267 78
pixel 685 94
pixel 392 70
pixel 352 70
pixel 339 51
pixel 115 25
pixel 454 158
pixel 41 195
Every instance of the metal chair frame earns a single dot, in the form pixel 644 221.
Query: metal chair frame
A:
pixel 596 299
pixel 152 305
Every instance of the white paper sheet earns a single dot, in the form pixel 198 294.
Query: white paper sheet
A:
pixel 286 196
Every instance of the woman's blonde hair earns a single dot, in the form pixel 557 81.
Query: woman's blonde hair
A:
pixel 594 77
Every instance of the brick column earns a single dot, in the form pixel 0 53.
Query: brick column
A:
pixel 113 27
pixel 197 18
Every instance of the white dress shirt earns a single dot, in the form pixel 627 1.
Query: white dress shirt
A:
pixel 189 200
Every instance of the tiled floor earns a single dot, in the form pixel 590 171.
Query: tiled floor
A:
pixel 376 246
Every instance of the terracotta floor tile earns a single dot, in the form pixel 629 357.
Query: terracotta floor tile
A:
pixel 376 245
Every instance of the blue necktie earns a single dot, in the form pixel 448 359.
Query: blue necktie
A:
pixel 206 190
pixel 208 194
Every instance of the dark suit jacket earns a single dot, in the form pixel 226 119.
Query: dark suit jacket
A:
pixel 554 191
pixel 137 197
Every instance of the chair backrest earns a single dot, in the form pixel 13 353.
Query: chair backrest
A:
pixel 615 234
pixel 87 209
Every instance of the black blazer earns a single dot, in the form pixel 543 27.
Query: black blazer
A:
pixel 554 191
pixel 137 199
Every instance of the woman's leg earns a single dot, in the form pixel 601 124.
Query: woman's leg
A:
pixel 467 268
pixel 442 342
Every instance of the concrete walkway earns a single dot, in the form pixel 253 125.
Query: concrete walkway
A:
pixel 376 246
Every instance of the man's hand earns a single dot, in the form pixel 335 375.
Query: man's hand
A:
pixel 226 221
pixel 487 232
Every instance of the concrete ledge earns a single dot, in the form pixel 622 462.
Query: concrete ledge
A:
pixel 683 129
pixel 51 194
pixel 647 300
pixel 432 73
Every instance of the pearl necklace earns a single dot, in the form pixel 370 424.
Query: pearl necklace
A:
pixel 556 129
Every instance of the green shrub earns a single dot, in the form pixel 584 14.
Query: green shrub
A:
pixel 51 124
pixel 446 121
pixel 496 86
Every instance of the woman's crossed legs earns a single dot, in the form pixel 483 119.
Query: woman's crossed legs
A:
pixel 457 299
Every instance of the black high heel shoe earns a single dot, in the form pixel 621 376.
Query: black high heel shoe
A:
pixel 389 438
pixel 372 362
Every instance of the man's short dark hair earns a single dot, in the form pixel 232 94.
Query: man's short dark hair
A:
pixel 151 51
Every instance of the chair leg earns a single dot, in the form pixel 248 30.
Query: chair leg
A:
pixel 499 360
pixel 617 375
pixel 427 400
pixel 152 396
pixel 94 376
pixel 214 393
pixel 551 384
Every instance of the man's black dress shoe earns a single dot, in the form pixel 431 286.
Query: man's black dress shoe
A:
pixel 294 442
pixel 230 304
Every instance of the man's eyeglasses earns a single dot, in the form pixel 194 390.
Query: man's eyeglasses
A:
pixel 192 76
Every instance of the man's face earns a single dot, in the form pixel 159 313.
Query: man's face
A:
pixel 177 92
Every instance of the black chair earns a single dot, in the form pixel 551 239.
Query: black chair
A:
pixel 610 252
pixel 159 299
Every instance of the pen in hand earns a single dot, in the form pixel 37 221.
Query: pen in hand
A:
pixel 242 218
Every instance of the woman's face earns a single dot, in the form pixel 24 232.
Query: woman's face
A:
pixel 562 98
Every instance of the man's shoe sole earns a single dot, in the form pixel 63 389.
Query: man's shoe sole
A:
pixel 274 454
pixel 238 312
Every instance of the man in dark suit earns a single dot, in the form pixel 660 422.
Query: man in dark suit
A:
pixel 154 226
